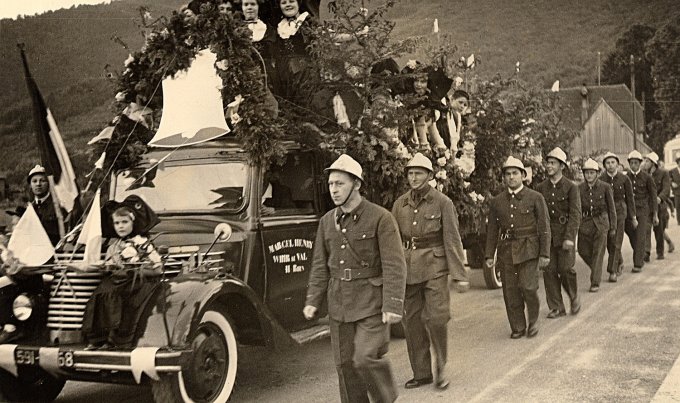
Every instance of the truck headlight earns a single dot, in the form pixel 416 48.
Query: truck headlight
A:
pixel 22 307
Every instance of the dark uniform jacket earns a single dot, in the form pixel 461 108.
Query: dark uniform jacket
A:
pixel 365 249
pixel 675 177
pixel 434 221
pixel 597 202
pixel 623 193
pixel 662 181
pixel 644 191
pixel 564 209
pixel 522 221
pixel 48 217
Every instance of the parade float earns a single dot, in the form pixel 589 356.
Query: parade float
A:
pixel 226 141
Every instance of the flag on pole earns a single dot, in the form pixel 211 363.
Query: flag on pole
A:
pixel 556 86
pixel 470 61
pixel 29 242
pixel 91 234
pixel 53 154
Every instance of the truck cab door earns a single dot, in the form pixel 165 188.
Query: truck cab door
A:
pixel 289 220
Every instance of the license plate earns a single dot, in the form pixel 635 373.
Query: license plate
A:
pixel 26 356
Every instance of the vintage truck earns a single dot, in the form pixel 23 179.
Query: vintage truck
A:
pixel 215 293
pixel 248 289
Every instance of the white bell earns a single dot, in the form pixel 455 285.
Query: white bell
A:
pixel 192 105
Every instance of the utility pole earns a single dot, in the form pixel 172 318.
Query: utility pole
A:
pixel 599 68
pixel 632 91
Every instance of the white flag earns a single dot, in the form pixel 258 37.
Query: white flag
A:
pixel 105 134
pixel 556 86
pixel 91 234
pixel 29 242
pixel 470 60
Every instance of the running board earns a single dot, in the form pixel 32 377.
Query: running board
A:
pixel 311 334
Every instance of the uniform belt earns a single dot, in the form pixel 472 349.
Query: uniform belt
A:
pixel 509 234
pixel 421 242
pixel 355 274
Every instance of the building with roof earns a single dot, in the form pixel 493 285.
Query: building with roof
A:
pixel 604 116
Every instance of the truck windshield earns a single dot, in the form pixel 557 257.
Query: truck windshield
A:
pixel 186 187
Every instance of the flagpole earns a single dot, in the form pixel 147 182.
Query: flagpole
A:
pixel 57 207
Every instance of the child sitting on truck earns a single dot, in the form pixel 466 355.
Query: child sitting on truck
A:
pixel 113 311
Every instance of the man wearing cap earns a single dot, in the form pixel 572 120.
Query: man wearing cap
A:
pixel 359 267
pixel 675 185
pixel 564 207
pixel 598 221
pixel 625 211
pixel 644 192
pixel 44 204
pixel 433 250
pixel 519 230
pixel 662 182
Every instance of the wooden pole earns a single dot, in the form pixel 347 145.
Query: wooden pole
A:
pixel 57 207
pixel 632 91
pixel 599 67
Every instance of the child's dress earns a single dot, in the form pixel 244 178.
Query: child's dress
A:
pixel 117 305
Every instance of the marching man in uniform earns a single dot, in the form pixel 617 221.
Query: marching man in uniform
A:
pixel 359 267
pixel 644 192
pixel 662 182
pixel 564 207
pixel 433 250
pixel 519 229
pixel 598 222
pixel 625 209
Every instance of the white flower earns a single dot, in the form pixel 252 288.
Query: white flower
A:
pixel 147 15
pixel 412 64
pixel 480 198
pixel 287 28
pixel 127 71
pixel 466 184
pixel 441 175
pixel 120 97
pixel 447 154
pixel 473 195
pixel 440 187
pixel 432 183
pixel 441 161
pixel 222 64
pixel 129 60
pixel 481 112
pixel 363 11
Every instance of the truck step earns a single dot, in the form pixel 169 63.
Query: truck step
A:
pixel 320 331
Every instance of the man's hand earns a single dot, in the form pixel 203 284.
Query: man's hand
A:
pixel 543 262
pixel 310 311
pixel 460 285
pixel 567 244
pixel 634 222
pixel 489 262
pixel 655 220
pixel 388 317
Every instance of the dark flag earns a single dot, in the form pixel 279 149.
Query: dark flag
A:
pixel 53 154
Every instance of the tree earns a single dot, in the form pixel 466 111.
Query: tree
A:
pixel 616 67
pixel 664 50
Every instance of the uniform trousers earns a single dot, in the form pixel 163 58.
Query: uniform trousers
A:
pixel 664 217
pixel 614 244
pixel 520 289
pixel 676 201
pixel 592 243
pixel 637 236
pixel 359 350
pixel 426 314
pixel 560 274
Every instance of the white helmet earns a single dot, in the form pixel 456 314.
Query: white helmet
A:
pixel 37 170
pixel 558 154
pixel 420 161
pixel 347 164
pixel 513 162
pixel 610 155
pixel 591 164
pixel 654 157
pixel 635 155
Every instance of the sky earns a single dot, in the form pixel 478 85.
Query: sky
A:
pixel 13 8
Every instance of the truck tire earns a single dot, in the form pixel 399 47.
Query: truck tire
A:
pixel 211 373
pixel 492 277
pixel 32 385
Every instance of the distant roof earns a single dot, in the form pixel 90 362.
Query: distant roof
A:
pixel 618 97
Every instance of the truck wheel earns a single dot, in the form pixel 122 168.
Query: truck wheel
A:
pixel 492 277
pixel 32 385
pixel 211 372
